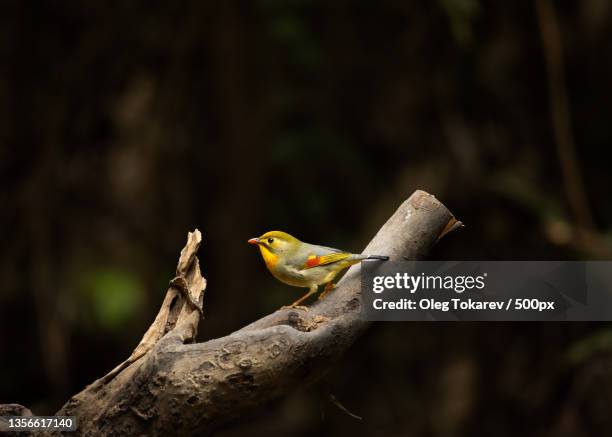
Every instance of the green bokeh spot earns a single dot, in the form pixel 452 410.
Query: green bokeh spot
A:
pixel 115 295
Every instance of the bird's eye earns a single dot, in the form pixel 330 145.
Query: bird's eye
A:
pixel 270 240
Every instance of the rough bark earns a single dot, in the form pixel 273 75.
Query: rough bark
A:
pixel 173 386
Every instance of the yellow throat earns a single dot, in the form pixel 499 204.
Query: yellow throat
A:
pixel 269 258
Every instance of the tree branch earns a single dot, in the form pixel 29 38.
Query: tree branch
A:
pixel 171 386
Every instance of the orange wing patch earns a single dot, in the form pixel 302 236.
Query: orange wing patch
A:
pixel 315 261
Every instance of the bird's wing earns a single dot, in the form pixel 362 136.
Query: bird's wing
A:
pixel 324 250
pixel 321 256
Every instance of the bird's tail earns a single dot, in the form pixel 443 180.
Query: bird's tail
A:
pixel 380 257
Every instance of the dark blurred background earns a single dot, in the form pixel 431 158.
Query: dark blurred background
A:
pixel 124 125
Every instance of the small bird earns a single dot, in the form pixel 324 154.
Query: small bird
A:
pixel 304 265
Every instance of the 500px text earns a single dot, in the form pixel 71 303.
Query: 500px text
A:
pixel 468 304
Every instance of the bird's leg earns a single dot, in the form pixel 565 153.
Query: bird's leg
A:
pixel 328 287
pixel 297 303
pixel 180 284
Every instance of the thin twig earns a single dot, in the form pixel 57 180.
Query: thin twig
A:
pixel 337 403
pixel 561 119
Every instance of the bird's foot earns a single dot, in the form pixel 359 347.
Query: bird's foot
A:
pixel 328 287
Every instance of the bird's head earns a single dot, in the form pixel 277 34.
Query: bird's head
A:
pixel 276 243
